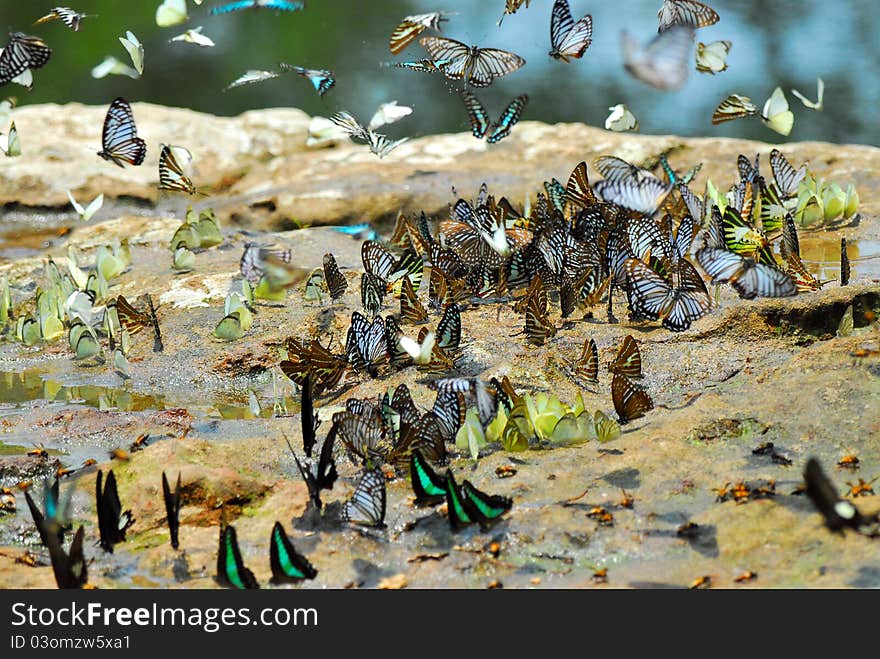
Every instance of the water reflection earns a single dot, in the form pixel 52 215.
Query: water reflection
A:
pixel 786 42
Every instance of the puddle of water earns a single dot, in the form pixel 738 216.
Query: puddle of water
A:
pixel 821 254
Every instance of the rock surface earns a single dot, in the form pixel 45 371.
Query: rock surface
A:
pixel 748 373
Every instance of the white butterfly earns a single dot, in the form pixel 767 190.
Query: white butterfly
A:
pixel 194 36
pixel 10 144
pixel 85 214
pixel 776 114
pixel 171 12
pixel 323 132
pixel 420 353
pixel 135 51
pixel 621 119
pixel 388 113
pixel 112 66
pixel 6 106
pixel 820 94
pixel 251 76
pixel 712 58
pixel 663 63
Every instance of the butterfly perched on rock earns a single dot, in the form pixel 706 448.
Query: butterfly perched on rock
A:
pixel 112 520
pixel 231 570
pixel 288 565
pixel 366 507
pixel 630 400
pixel 749 278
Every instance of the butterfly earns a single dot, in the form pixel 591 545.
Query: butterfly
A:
pixel 135 50
pixel 838 513
pixel 621 119
pixel 424 65
pixel 323 475
pixel 486 395
pixel 449 329
pixel 630 400
pixel 748 278
pixel 511 7
pixel 326 369
pixel 134 321
pixel 365 344
pixel 194 36
pixel 68 16
pixel 578 192
pixel 70 569
pixel 120 142
pixel 412 26
pixel 231 570
pixel 538 327
pixel 476 66
pixel 844 264
pixel 335 281
pixel 587 367
pixel 171 174
pixel 251 76
pixel 787 178
pixel 428 486
pixel 388 113
pixel 321 79
pixel 820 94
pixel 733 107
pixel 489 507
pixel 54 518
pixel 112 520
pixel 85 214
pixel 12 146
pixel 255 257
pixel 171 12
pixel 172 508
pixel 307 416
pixel 449 408
pixel 288 565
pixel 378 143
pixel 628 361
pixel 22 53
pixel 481 125
pixel 459 510
pixel 776 114
pixel 278 5
pixel 741 237
pixel 411 309
pixel 677 303
pixel 607 429
pixel 366 506
pixel 685 12
pixel 567 38
pixel 663 63
pixel 712 58
pixel 639 190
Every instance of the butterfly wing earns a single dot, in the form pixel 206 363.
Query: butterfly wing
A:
pixel 455 53
pixel 511 115
pixel 491 63
pixel 570 39
pixel 477 114
pixel 685 12
pixel 120 141
pixel 366 506
pixel 288 565
pixel 663 63
pixel 630 401
pixel 733 107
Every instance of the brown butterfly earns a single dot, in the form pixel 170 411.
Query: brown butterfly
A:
pixel 538 326
pixel 134 321
pixel 630 400
pixel 335 280
pixel 628 361
pixel 411 309
pixel 325 367
pixel 587 366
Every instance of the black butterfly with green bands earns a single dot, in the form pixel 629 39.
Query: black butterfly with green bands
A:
pixel 428 485
pixel 488 506
pixel 231 571
pixel 459 510
pixel 288 566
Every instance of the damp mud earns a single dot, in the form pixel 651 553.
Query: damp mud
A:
pixel 749 373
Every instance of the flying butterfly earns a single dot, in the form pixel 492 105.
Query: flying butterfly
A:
pixel 630 400
pixel 256 259
pixel 288 565
pixel 630 186
pixel 172 508
pixel 476 66
pixel 733 107
pixel 776 115
pixel 119 140
pixel 685 12
pixel 366 507
pixel 251 76
pixel 712 58
pixel 171 174
pixel 68 16
pixel 412 26
pixel 838 513
pixel 70 569
pixel 511 7
pixel 22 53
pixel 112 520
pixel 429 487
pixel 678 304
pixel 628 361
pixel 424 65
pixel 482 125
pixel 567 38
pixel 231 570
pixel 748 278
pixel 335 280
pixel 621 119
pixel 321 79
pixel 663 63
pixel 820 95
pixel 278 5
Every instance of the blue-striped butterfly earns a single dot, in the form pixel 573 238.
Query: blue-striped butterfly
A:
pixel 476 66
pixel 278 5
pixel 663 63
pixel 119 139
pixel 172 508
pixel 231 570
pixel 483 126
pixel 55 516
pixel 677 303
pixel 567 38
pixel 412 26
pixel 66 15
pixel 288 565
pixel 112 520
pixel 22 53
pixel 424 65
pixel 366 507
pixel 749 278
pixel 690 13
pixel 322 80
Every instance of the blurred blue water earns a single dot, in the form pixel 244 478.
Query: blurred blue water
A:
pixel 780 42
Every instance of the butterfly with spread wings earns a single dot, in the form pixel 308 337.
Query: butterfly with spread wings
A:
pixel 677 303
pixel 412 26
pixel 476 66
pixel 278 5
pixel 22 53
pixel 379 143
pixel 664 62
pixel 749 278
pixel 120 141
pixel 482 126
pixel 568 39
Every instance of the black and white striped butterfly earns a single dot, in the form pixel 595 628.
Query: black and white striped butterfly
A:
pixel 664 62
pixel 733 107
pixel 335 280
pixel 365 344
pixel 171 173
pixel 567 38
pixel 476 66
pixel 786 176
pixel 630 186
pixel 678 303
pixel 22 53
pixel 366 506
pixel 68 16
pixel 690 13
pixel 255 257
pixel 482 126
pixel 120 141
pixel 749 278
